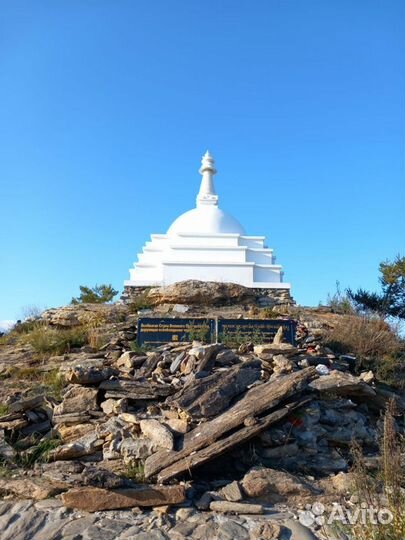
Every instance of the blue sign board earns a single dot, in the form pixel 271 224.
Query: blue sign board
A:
pixel 255 330
pixel 154 331
pixel 158 331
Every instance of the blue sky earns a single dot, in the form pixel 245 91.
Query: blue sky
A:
pixel 107 107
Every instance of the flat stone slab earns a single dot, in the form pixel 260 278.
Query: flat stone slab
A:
pixel 92 499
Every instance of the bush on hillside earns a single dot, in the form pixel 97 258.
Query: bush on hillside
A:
pixel 47 341
pixel 99 294
pixel 375 344
pixel 363 336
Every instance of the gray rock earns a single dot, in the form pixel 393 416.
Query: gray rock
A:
pixel 230 530
pixel 152 535
pixel 77 526
pixel 84 446
pixel 77 399
pixel 137 448
pixel 159 434
pixel 130 534
pixel 232 492
pixel 299 531
pixel 203 502
pixel 206 531
pixel 183 529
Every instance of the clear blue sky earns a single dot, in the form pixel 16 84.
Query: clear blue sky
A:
pixel 107 107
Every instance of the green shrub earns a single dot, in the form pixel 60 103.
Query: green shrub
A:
pixel 38 453
pixel 99 294
pixel 390 302
pixel 3 409
pixel 235 339
pixel 139 348
pixel 389 369
pixel 135 471
pixel 198 333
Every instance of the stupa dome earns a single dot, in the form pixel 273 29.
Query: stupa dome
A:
pixel 206 219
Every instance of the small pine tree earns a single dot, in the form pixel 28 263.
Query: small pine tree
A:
pixel 390 302
pixel 99 294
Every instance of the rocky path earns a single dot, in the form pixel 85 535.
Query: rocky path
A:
pixel 50 520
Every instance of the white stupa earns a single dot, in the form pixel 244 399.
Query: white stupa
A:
pixel 206 244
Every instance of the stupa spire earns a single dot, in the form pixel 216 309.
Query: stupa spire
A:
pixel 207 193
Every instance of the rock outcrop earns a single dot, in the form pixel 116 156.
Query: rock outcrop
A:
pixel 209 427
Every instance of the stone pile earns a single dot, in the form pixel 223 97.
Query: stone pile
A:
pixel 201 426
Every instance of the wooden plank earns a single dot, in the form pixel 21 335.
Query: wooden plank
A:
pixel 256 401
pixel 223 445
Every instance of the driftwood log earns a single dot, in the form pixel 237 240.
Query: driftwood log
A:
pixel 257 400
pixel 207 397
pixel 223 445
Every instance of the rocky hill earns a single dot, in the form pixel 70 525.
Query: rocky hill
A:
pixel 102 439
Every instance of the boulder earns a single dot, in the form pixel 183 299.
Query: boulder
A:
pixel 93 375
pixel 78 314
pixel 114 406
pixel 86 445
pixel 72 433
pixel 130 360
pixel 92 499
pixel 77 399
pixel 343 384
pixel 208 293
pixel 272 486
pixel 159 434
pixel 232 492
pixel 134 449
pixel 28 488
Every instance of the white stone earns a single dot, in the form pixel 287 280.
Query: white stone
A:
pixel 207 244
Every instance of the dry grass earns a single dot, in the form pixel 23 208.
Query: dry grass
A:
pixel 386 489
pixel 48 341
pixel 92 323
pixel 365 337
pixel 51 382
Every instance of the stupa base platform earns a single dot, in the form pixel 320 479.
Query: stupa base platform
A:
pixel 207 293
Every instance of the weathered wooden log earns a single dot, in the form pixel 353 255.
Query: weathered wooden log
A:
pixel 223 445
pixel 207 397
pixel 256 400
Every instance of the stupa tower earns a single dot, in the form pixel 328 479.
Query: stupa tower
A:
pixel 206 244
